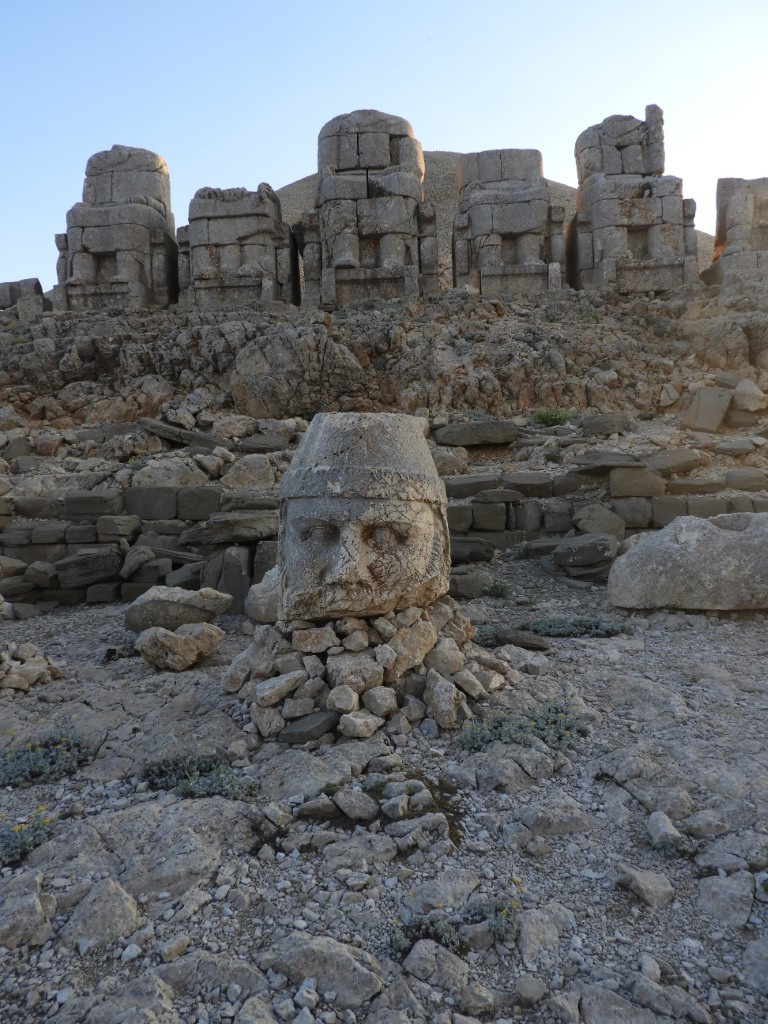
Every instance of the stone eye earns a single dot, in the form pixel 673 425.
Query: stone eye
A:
pixel 319 533
pixel 386 536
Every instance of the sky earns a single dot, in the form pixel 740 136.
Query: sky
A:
pixel 233 94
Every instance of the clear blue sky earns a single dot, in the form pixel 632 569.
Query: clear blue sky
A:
pixel 232 94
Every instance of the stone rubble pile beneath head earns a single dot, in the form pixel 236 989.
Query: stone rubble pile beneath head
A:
pixel 351 677
pixel 24 665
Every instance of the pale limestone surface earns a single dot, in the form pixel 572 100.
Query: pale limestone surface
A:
pixel 236 250
pixel 714 564
pixel 371 234
pixel 507 237
pixel 119 248
pixel 633 231
pixel 363 527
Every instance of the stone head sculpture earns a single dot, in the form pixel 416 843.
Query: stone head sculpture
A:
pixel 363 528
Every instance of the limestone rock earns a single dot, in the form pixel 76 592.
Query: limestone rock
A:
pixel 359 724
pixel 263 601
pixel 755 965
pixel 106 914
pixel 178 650
pixel 334 965
pixel 728 900
pixel 652 888
pixel 26 913
pixel 443 700
pixel 599 1005
pixel 171 607
pixel 718 563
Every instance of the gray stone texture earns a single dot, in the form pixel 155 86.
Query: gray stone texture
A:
pixel 237 250
pixel 371 234
pixel 741 235
pixel 683 565
pixel 363 527
pixel 119 249
pixel 507 236
pixel 632 231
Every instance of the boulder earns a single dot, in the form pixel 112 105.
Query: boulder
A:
pixel 171 607
pixel 180 650
pixel 710 564
pixel 476 432
pixel 263 601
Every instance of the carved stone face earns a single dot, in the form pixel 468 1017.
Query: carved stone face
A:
pixel 360 556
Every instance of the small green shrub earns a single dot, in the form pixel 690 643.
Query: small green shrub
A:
pixel 197 776
pixel 17 840
pixel 551 417
pixel 497 588
pixel 522 551
pixel 501 913
pixel 486 635
pixel 44 760
pixel 553 455
pixel 433 925
pixel 577 625
pixel 553 723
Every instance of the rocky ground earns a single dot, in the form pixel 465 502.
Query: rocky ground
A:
pixel 609 866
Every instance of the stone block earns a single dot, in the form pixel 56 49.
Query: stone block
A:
pixel 740 503
pixel 530 483
pixel 529 517
pixel 130 590
pixel 197 503
pixel 636 512
pixel 186 576
pixel 264 559
pixel 489 516
pixel 708 409
pixel 151 502
pixel 459 518
pixel 746 479
pixel 696 486
pixel 666 508
pixel 705 507
pixel 476 432
pixel 153 571
pixel 90 566
pixel 82 504
pixel 635 483
pixel 674 460
pixel 584 550
pixel 558 517
pixel 114 528
pixel 81 533
pixel 103 593
pixel 470 483
pixel 471 549
pixel 48 533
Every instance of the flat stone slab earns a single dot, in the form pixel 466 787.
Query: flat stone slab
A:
pixel 233 528
pixel 310 727
pixel 601 461
pixel 476 432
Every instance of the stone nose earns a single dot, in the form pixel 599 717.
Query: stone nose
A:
pixel 348 561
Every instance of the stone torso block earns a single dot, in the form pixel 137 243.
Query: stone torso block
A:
pixel 741 239
pixel 238 248
pixel 119 248
pixel 507 238
pixel 633 231
pixel 371 235
pixel 363 526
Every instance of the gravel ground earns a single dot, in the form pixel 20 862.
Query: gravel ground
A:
pixel 670 714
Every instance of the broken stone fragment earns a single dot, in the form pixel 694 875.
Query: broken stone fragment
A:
pixel 181 649
pixel 171 607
